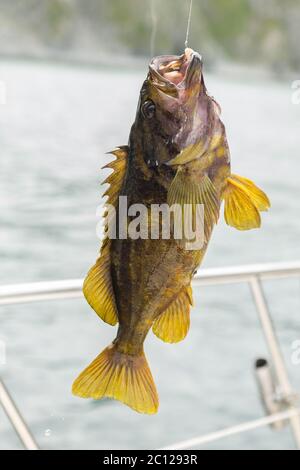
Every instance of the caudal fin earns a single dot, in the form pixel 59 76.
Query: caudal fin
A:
pixel 120 376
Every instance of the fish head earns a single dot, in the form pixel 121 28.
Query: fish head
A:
pixel 173 109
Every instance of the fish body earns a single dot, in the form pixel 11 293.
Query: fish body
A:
pixel 177 154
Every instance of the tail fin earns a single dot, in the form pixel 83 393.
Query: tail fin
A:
pixel 120 376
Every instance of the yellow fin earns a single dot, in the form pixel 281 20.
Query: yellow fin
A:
pixel 98 289
pixel 115 179
pixel 240 212
pixel 189 292
pixel 121 377
pixel 173 324
pixel 183 190
pixel 257 196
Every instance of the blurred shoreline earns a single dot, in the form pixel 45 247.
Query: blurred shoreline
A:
pixel 123 62
pixel 261 35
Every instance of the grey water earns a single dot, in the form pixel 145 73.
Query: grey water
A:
pixel 55 127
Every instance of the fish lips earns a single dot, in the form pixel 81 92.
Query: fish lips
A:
pixel 181 79
pixel 194 71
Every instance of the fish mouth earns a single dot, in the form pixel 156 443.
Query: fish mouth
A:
pixel 173 73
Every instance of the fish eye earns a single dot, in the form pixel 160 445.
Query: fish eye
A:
pixel 148 109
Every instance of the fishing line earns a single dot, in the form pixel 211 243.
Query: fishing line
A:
pixel 188 25
pixel 153 26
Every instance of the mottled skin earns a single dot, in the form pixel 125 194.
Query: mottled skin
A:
pixel 148 275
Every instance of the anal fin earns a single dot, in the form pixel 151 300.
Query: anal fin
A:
pixel 173 324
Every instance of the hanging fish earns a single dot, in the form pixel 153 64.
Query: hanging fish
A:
pixel 177 154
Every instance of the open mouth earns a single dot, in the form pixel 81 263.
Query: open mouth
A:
pixel 175 70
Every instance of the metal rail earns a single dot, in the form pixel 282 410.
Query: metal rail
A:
pixel 253 275
pixel 286 389
pixel 240 428
pixel 16 419
pixel 68 289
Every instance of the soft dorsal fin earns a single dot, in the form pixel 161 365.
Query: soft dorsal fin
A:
pixel 173 324
pixel 243 201
pixel 184 191
pixel 97 287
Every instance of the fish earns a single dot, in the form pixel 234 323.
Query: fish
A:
pixel 177 154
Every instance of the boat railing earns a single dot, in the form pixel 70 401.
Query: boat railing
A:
pixel 283 409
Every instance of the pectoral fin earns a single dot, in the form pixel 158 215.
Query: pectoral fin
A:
pixel 185 191
pixel 173 324
pixel 243 201
pixel 196 150
pixel 189 154
pixel 257 196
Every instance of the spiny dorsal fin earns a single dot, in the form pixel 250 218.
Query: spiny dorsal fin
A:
pixel 184 191
pixel 243 201
pixel 173 324
pixel 97 288
pixel 115 179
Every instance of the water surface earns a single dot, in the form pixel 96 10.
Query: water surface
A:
pixel 56 126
